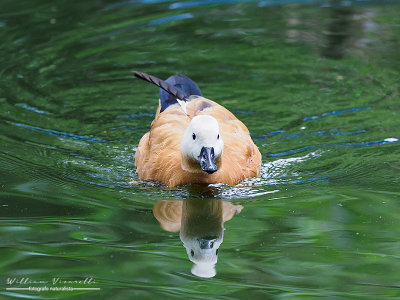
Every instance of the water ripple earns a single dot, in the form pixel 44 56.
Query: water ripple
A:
pixel 287 2
pixel 269 134
pixel 60 134
pixel 133 2
pixel 130 28
pixel 266 3
pixel 337 112
pixel 349 144
pixel 42 112
pixel 170 19
pixel 321 133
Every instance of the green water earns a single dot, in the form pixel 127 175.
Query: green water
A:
pixel 316 83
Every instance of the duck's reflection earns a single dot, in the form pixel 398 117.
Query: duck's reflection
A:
pixel 201 226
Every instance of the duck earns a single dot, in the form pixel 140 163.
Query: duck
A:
pixel 194 140
pixel 200 223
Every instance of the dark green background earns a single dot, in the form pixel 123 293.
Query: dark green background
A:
pixel 318 88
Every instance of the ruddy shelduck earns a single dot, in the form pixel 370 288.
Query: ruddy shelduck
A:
pixel 193 139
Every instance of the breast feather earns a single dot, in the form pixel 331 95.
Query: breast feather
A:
pixel 241 158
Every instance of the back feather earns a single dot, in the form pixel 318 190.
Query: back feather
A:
pixel 184 84
pixel 173 89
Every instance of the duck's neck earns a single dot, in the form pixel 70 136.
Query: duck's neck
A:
pixel 190 165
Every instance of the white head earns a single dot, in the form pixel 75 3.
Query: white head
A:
pixel 203 252
pixel 202 143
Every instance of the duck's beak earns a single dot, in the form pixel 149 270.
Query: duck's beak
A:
pixel 207 242
pixel 207 160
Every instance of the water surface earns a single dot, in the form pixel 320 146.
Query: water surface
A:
pixel 316 83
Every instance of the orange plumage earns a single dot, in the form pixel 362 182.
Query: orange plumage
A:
pixel 159 157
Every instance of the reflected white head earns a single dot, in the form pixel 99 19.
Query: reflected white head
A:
pixel 203 252
pixel 203 256
pixel 202 142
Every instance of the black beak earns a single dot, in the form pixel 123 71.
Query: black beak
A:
pixel 207 242
pixel 207 160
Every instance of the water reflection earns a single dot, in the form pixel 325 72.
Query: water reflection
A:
pixel 201 226
pixel 338 32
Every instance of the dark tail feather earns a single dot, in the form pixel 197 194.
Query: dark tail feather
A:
pixel 170 89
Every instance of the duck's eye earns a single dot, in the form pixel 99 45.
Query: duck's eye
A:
pixel 218 137
pixel 193 136
pixel 192 253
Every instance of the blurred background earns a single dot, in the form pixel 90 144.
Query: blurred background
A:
pixel 316 83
